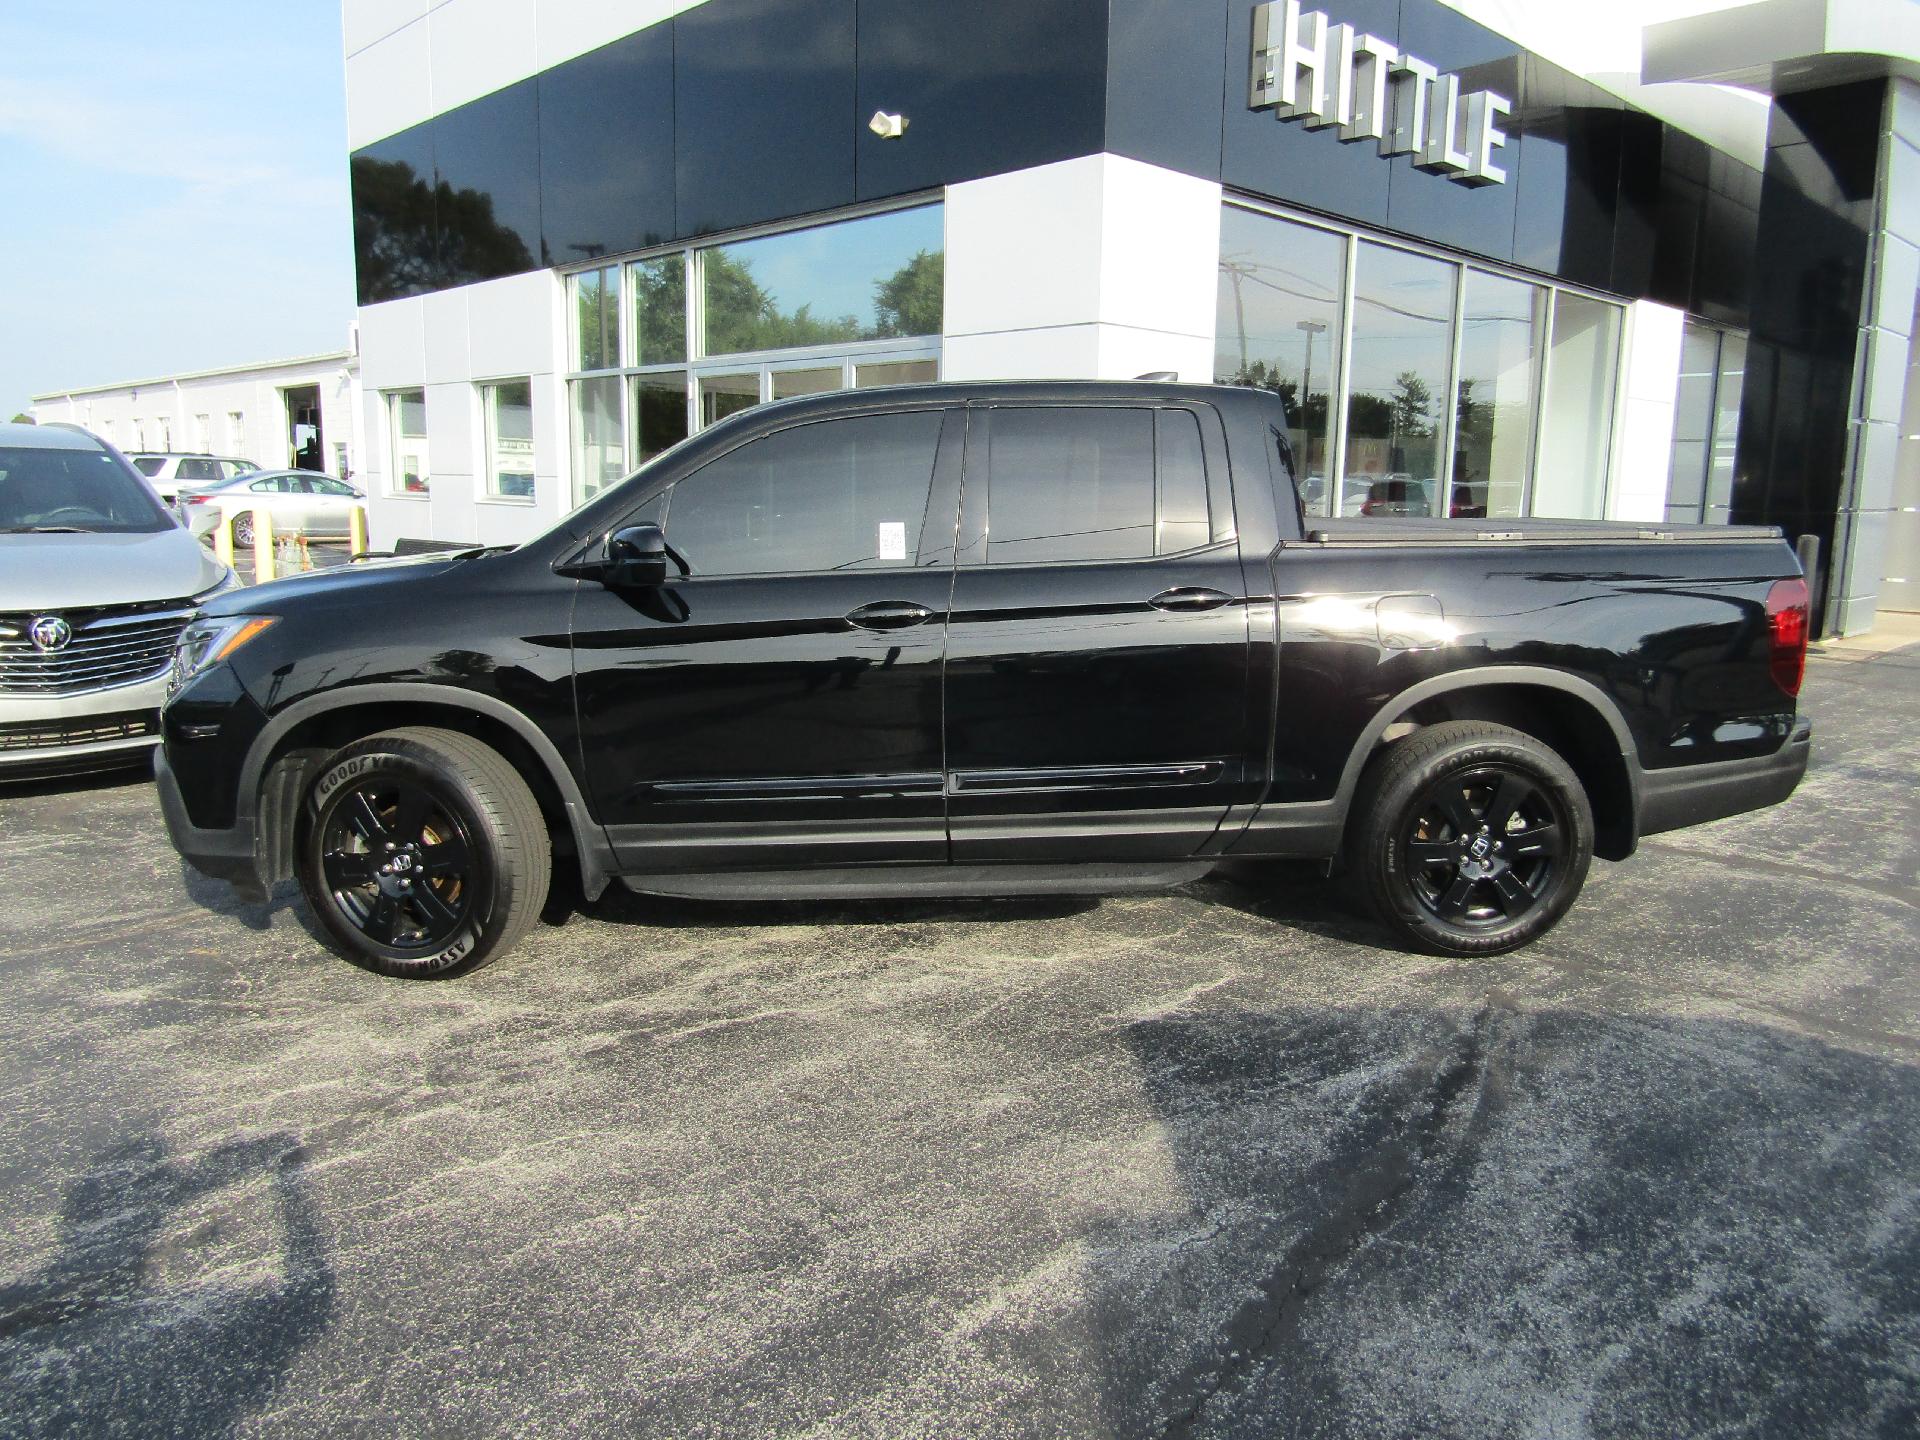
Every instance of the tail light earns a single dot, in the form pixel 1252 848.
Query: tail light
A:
pixel 1787 633
pixel 198 499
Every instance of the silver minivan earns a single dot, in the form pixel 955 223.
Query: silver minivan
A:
pixel 96 581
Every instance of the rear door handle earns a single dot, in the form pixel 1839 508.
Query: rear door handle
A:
pixel 889 615
pixel 1189 597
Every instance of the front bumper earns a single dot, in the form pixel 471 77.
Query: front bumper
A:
pixel 95 730
pixel 1694 794
pixel 223 854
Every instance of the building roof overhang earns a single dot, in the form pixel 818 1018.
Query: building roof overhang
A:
pixel 1778 47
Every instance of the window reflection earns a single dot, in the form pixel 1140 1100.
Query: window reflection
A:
pixel 867 279
pixel 596 295
pixel 507 407
pixel 1493 407
pixel 659 413
pixel 407 427
pixel 1402 332
pixel 816 381
pixel 659 310
pixel 599 447
pixel 724 395
pixel 1577 418
pixel 1278 317
pixel 895 372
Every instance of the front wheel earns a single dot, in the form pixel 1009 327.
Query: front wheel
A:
pixel 423 853
pixel 1470 839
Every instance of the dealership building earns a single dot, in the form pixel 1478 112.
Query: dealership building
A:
pixel 1494 272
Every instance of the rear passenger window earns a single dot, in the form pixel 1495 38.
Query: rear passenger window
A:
pixel 1094 484
pixel 835 495
pixel 1180 487
pixel 196 470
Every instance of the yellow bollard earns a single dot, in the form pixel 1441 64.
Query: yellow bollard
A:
pixel 263 567
pixel 357 531
pixel 223 539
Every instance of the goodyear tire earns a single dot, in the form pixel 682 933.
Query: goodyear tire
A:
pixel 1470 839
pixel 423 853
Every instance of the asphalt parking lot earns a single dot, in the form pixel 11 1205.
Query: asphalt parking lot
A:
pixel 1215 1163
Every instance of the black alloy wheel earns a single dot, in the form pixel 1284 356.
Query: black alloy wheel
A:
pixel 1482 845
pixel 423 852
pixel 398 863
pixel 1470 838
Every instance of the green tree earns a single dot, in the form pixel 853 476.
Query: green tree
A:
pixel 908 302
pixel 410 235
pixel 23 418
pixel 1412 407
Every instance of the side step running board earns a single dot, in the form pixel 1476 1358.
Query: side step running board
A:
pixel 889 882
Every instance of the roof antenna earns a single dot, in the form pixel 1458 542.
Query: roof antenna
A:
pixel 1159 375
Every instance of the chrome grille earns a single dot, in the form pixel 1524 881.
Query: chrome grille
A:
pixel 111 645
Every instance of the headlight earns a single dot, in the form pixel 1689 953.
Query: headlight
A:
pixel 208 642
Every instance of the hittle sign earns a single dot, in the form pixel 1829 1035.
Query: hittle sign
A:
pixel 1328 75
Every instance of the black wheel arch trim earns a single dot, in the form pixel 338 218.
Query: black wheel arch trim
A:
pixel 597 867
pixel 1314 827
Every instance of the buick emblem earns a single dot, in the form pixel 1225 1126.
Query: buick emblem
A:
pixel 50 632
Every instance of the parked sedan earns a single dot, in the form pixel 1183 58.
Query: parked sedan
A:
pixel 297 500
pixel 170 472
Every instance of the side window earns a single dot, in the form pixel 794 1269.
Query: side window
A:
pixel 1181 521
pixel 269 486
pixel 197 470
pixel 1070 484
pixel 834 495
pixel 323 485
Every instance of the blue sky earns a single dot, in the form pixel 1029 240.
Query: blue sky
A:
pixel 173 188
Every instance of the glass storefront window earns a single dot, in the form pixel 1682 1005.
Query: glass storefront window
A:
pixel 1706 423
pixel 724 395
pixel 1692 451
pixel 596 310
pixel 1396 391
pixel 599 446
pixel 873 278
pixel 1577 414
pixel 407 428
pixel 1278 319
pixel 787 383
pixel 659 414
pixel 506 407
pixel 1729 385
pixel 895 372
pixel 1500 327
pixel 659 310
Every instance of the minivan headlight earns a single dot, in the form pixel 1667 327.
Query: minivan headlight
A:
pixel 205 643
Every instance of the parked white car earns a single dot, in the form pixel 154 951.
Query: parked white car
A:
pixel 169 473
pixel 297 500
pixel 96 582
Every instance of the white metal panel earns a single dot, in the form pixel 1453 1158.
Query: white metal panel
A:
pixel 479 46
pixel 389 85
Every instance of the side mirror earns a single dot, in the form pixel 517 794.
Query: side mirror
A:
pixel 636 556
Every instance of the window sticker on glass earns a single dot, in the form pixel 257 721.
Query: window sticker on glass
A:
pixel 892 540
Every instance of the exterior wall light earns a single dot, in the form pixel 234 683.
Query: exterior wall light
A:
pixel 887 127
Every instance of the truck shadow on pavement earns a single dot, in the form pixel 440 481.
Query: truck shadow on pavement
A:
pixel 182 1290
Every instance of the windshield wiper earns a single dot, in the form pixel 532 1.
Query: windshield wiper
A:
pixel 46 530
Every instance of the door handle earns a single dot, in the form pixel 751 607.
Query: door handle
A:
pixel 889 615
pixel 1189 597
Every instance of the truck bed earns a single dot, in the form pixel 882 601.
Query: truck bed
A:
pixel 1502 530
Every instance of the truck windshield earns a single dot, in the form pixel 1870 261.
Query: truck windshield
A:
pixel 59 490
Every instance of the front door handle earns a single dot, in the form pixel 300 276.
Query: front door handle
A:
pixel 889 615
pixel 1189 597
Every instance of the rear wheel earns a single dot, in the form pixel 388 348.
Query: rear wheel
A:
pixel 243 531
pixel 424 853
pixel 1470 839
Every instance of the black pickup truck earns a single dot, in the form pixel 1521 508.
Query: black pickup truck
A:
pixel 982 639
